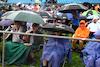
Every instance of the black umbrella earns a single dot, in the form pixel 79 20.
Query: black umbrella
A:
pixel 58 27
pixel 57 17
pixel 66 8
pixel 44 14
pixel 48 9
pixel 83 18
pixel 87 4
pixel 48 15
pixel 64 16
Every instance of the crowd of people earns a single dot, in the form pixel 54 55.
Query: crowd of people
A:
pixel 19 48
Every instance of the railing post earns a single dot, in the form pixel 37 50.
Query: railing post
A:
pixel 3 51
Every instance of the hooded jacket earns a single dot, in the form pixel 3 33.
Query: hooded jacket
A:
pixel 92 52
pixel 82 32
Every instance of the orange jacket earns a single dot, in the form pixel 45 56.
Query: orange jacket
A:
pixel 96 8
pixel 82 32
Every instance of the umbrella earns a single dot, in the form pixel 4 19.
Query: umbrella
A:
pixel 48 9
pixel 58 27
pixel 57 17
pixel 90 12
pixel 48 15
pixel 44 14
pixel 93 16
pixel 26 16
pixel 66 8
pixel 87 3
pixel 6 22
pixel 66 15
pixel 6 14
pixel 63 15
pixel 83 17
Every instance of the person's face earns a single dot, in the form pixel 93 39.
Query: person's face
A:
pixel 17 25
pixel 94 20
pixel 58 33
pixel 35 28
pixel 82 25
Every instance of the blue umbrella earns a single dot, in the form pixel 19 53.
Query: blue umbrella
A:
pixel 67 16
pixel 6 22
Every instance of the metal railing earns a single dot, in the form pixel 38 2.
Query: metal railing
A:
pixel 41 35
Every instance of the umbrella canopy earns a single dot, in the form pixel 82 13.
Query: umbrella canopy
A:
pixel 26 16
pixel 87 4
pixel 58 27
pixel 6 14
pixel 48 15
pixel 66 8
pixel 57 17
pixel 45 14
pixel 66 15
pixel 90 12
pixel 93 16
pixel 83 17
pixel 6 22
pixel 48 9
pixel 63 15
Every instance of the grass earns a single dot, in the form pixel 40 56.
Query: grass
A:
pixel 76 60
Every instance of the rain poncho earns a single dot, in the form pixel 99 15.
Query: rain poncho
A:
pixel 92 51
pixel 55 50
pixel 17 53
pixel 82 32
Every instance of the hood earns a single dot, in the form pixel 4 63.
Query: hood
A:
pixel 82 21
pixel 97 34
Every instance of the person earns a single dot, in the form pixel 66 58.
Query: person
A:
pixel 34 40
pixel 55 50
pixel 93 27
pixel 75 19
pixel 81 32
pixel 17 53
pixel 17 27
pixel 96 7
pixel 92 52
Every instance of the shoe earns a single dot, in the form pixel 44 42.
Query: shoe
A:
pixel 34 60
pixel 81 54
pixel 73 50
pixel 78 50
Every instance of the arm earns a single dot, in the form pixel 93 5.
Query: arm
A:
pixel 76 16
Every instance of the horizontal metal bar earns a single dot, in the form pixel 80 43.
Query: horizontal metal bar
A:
pixel 53 36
